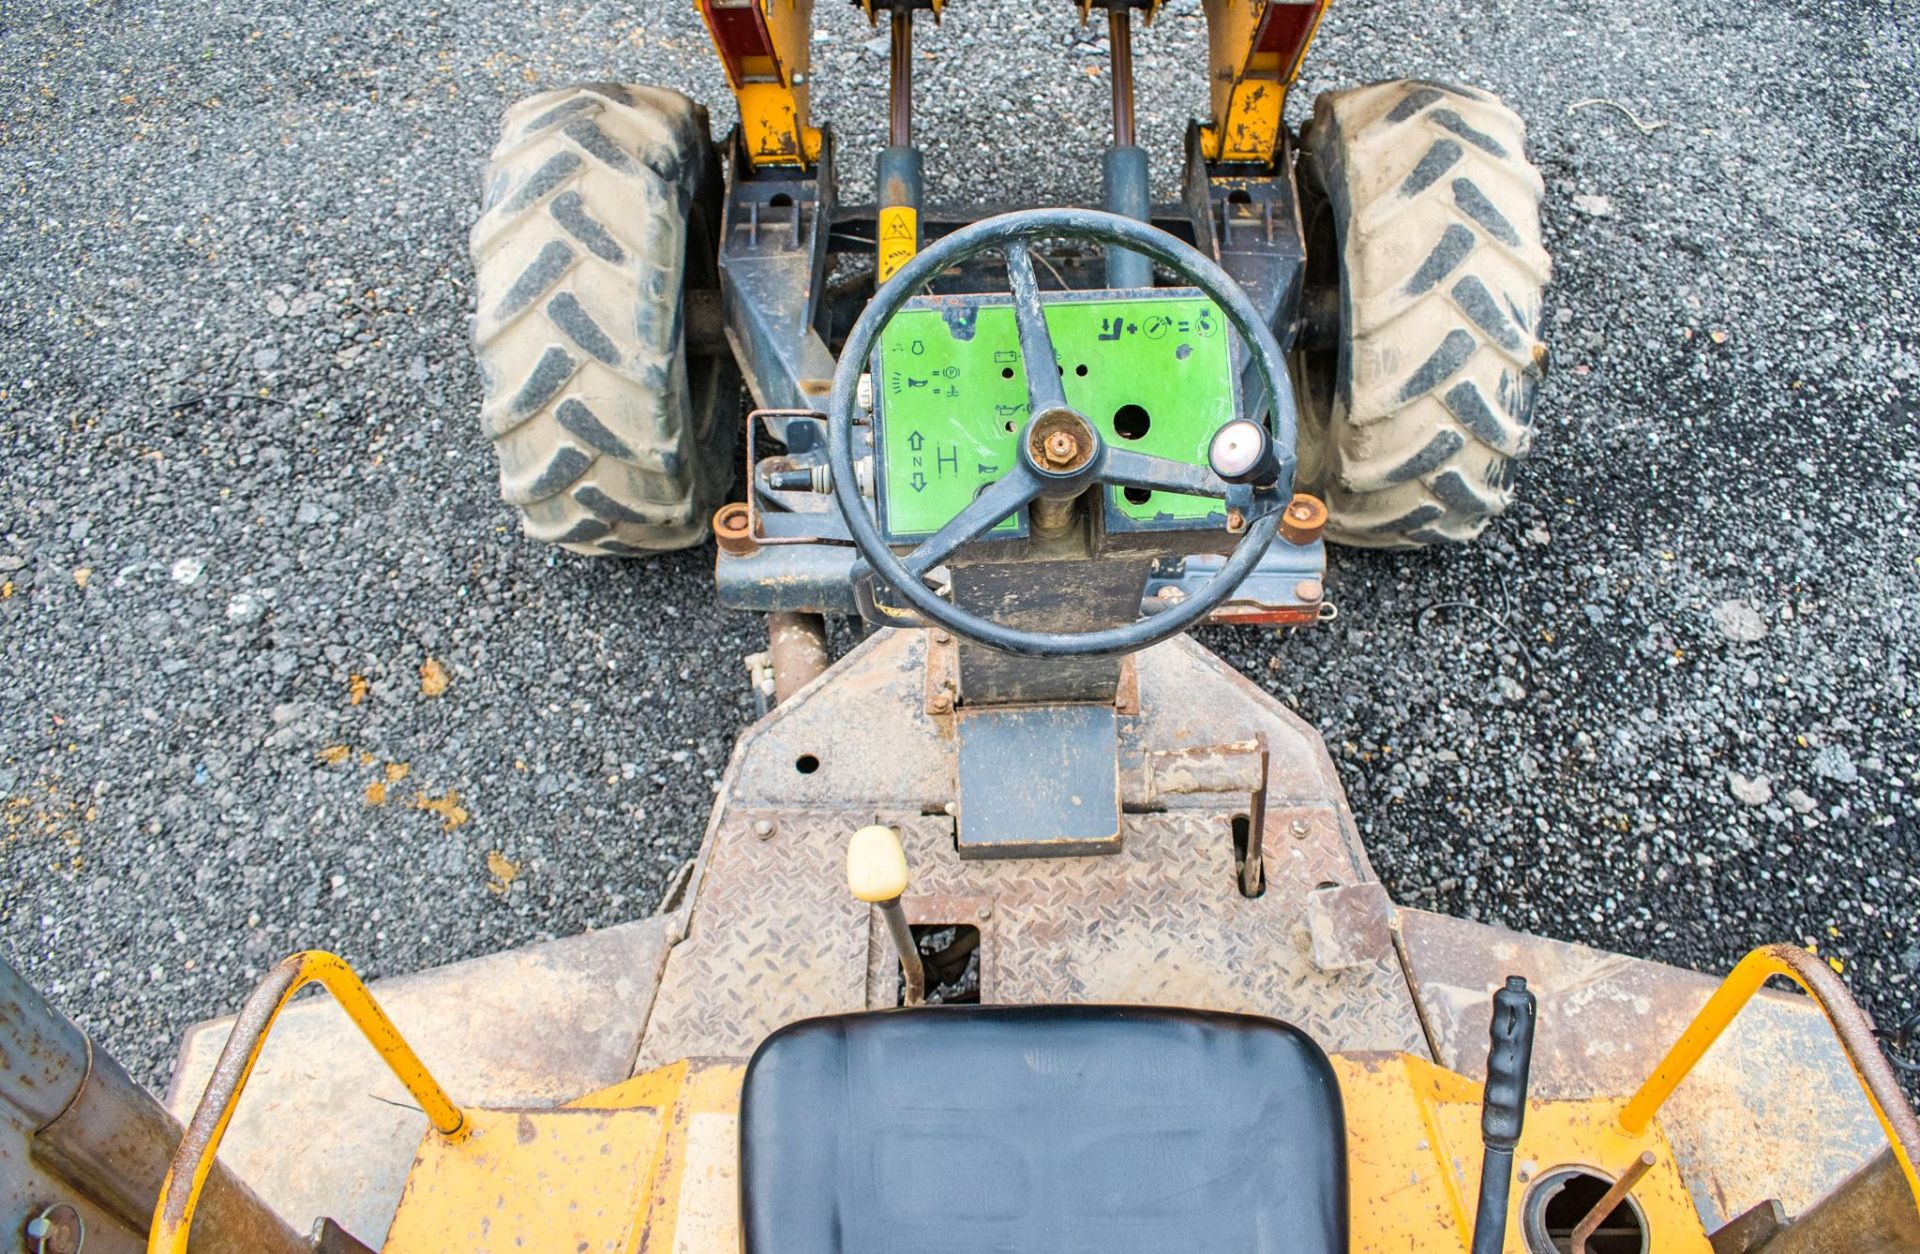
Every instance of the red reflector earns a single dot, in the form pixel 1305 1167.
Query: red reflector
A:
pixel 739 32
pixel 1254 616
pixel 1284 30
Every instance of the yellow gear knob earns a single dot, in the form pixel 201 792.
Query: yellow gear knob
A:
pixel 876 864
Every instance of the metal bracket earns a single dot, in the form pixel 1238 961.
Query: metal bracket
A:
pixel 773 254
pixel 1237 767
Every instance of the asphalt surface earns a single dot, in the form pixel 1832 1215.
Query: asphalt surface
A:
pixel 1667 706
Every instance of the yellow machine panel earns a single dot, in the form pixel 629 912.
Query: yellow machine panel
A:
pixel 1413 1157
pixel 652 1163
pixel 568 1179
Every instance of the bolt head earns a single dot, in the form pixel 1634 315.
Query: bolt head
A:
pixel 764 828
pixel 941 637
pixel 1308 590
pixel 986 912
pixel 56 1230
pixel 1300 829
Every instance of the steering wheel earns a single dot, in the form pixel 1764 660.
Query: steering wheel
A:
pixel 1061 455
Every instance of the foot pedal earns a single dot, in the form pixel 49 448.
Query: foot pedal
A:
pixel 1038 781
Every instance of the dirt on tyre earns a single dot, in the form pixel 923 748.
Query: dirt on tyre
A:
pixel 600 216
pixel 1422 213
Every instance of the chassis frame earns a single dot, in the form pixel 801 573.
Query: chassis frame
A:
pixel 792 283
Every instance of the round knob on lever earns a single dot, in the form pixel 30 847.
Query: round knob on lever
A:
pixel 876 865
pixel 1242 452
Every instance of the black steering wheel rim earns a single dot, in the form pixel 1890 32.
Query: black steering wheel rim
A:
pixel 1017 229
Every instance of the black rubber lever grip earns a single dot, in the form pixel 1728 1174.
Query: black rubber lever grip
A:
pixel 1503 1110
pixel 1509 1059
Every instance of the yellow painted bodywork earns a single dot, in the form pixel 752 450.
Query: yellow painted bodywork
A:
pixel 1248 87
pixel 652 1164
pixel 772 92
pixel 648 1164
pixel 570 1179
pixel 693 1197
pixel 1414 1152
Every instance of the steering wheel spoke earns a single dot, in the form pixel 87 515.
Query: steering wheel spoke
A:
pixel 1125 468
pixel 1044 390
pixel 982 514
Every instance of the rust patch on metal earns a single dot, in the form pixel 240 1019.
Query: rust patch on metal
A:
pixel 925 910
pixel 1346 925
pixel 943 676
pixel 1305 518
pixel 1126 695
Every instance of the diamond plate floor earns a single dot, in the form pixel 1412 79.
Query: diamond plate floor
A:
pixel 774 935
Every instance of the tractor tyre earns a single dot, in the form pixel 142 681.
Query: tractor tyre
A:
pixel 601 213
pixel 1422 211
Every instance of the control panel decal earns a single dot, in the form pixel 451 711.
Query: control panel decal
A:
pixel 1151 373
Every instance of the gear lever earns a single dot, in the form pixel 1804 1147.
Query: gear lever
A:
pixel 1503 1109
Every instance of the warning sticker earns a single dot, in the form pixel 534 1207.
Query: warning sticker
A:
pixel 898 226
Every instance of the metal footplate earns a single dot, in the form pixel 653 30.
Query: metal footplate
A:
pixel 1037 781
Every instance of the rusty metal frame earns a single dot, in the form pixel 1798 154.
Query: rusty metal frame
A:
pixel 1850 1025
pixel 194 1158
pixel 754 528
pixel 1240 766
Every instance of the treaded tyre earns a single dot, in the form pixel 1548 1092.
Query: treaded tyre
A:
pixel 1421 208
pixel 601 212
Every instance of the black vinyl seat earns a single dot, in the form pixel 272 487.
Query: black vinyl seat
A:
pixel 1064 1129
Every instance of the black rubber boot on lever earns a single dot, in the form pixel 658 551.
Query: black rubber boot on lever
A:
pixel 1503 1112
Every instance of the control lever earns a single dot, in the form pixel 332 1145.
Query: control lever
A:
pixel 1503 1110
pixel 877 875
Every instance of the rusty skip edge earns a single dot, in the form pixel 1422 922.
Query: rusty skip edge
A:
pixel 1850 1025
pixel 98 1132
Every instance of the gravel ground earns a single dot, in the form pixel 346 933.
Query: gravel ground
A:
pixel 1665 707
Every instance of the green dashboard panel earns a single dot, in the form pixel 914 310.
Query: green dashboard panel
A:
pixel 1152 373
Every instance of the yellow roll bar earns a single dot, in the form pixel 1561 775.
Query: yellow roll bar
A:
pixel 193 1159
pixel 1850 1026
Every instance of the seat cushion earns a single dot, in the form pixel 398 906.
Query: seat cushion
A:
pixel 1042 1128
